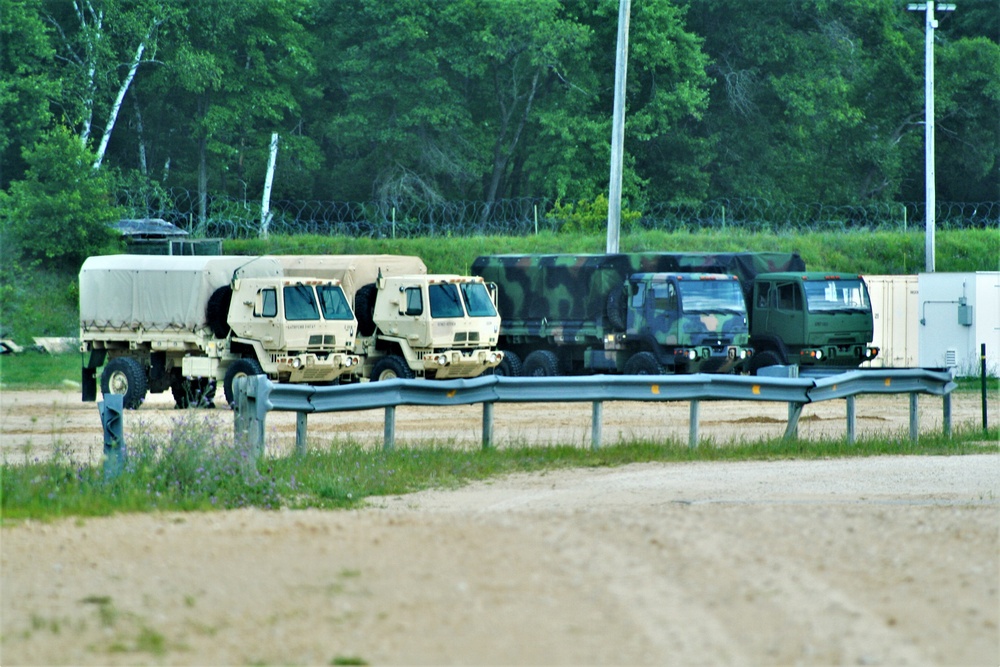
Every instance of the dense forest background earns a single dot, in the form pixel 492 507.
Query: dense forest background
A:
pixel 409 100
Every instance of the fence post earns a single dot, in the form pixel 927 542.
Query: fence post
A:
pixel 851 420
pixel 110 410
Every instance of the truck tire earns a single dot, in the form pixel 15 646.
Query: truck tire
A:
pixel 364 308
pixel 510 366
pixel 217 311
pixel 764 359
pixel 617 308
pixel 239 369
pixel 391 367
pixel 193 392
pixel 127 377
pixel 643 363
pixel 541 363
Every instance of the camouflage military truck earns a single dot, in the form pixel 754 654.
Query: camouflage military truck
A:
pixel 412 324
pixel 796 316
pixel 187 323
pixel 615 313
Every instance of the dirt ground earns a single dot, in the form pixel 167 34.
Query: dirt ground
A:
pixel 889 560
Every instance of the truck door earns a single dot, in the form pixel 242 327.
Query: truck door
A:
pixel 263 326
pixel 786 318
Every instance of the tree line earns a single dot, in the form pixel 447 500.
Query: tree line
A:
pixel 409 100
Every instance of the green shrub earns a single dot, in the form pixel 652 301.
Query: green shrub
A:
pixel 587 217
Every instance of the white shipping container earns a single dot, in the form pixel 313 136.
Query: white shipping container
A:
pixel 895 305
pixel 958 313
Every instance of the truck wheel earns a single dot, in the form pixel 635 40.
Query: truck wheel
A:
pixel 643 363
pixel 391 368
pixel 127 377
pixel 240 368
pixel 541 363
pixel 364 309
pixel 764 359
pixel 193 392
pixel 217 311
pixel 510 366
pixel 617 308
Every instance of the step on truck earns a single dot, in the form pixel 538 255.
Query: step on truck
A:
pixel 614 313
pixel 411 323
pixel 188 323
pixel 797 317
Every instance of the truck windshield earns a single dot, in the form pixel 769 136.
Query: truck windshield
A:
pixel 300 303
pixel 477 300
pixel 825 296
pixel 711 296
pixel 445 301
pixel 333 303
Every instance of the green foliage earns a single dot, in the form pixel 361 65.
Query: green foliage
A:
pixel 59 214
pixel 587 217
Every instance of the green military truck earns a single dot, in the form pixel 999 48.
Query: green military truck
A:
pixel 800 317
pixel 614 313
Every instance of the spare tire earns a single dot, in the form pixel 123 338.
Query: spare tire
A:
pixel 618 308
pixel 364 309
pixel 217 311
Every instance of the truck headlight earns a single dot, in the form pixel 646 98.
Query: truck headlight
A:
pixel 819 354
pixel 296 362
pixel 692 355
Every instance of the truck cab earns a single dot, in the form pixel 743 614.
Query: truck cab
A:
pixel 691 322
pixel 811 319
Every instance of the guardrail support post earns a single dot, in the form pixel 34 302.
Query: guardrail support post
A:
pixel 300 433
pixel 596 422
pixel 693 425
pixel 110 410
pixel 946 414
pixel 794 412
pixel 487 426
pixel 389 436
pixel 251 411
pixel 914 418
pixel 851 420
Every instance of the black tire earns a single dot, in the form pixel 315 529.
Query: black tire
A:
pixel 125 376
pixel 364 309
pixel 541 363
pixel 390 368
pixel 239 368
pixel 618 308
pixel 511 365
pixel 193 392
pixel 643 363
pixel 763 359
pixel 217 311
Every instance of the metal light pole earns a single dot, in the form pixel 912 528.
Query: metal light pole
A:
pixel 930 24
pixel 618 128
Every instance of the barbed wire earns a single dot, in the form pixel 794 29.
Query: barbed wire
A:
pixel 228 217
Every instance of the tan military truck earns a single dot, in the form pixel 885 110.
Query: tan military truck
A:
pixel 187 323
pixel 411 323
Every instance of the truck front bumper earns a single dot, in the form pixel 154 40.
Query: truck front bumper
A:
pixel 307 368
pixel 459 364
pixel 837 355
pixel 714 359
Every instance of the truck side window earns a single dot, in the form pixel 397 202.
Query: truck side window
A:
pixel 788 298
pixel 267 303
pixel 763 295
pixel 639 296
pixel 414 301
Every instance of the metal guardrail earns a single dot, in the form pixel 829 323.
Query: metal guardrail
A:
pixel 257 395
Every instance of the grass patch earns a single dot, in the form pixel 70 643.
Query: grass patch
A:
pixel 40 370
pixel 192 469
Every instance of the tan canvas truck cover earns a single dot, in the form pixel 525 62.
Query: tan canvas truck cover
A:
pixel 159 293
pixel 353 271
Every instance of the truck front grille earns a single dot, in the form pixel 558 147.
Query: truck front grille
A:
pixel 322 341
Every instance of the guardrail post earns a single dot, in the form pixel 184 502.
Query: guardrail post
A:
pixel 693 425
pixel 794 409
pixel 110 410
pixel 251 411
pixel 487 426
pixel 946 416
pixel 300 433
pixel 851 420
pixel 389 435
pixel 914 418
pixel 596 422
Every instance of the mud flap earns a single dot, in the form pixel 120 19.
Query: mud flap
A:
pixel 88 384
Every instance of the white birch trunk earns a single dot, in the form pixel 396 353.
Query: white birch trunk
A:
pixel 116 107
pixel 265 206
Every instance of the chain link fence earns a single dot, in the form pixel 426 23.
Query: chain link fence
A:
pixel 228 217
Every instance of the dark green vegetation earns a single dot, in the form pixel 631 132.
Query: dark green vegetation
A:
pixel 24 286
pixel 191 469
pixel 413 103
